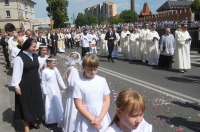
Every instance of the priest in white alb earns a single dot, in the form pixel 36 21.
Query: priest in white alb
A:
pixel 134 45
pixel 153 45
pixel 124 43
pixel 182 52
pixel 144 34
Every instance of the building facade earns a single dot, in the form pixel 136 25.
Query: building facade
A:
pixel 16 14
pixel 103 11
pixel 176 10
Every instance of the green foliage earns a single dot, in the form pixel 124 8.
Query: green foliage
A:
pixel 85 19
pixel 128 16
pixel 195 7
pixel 117 20
pixel 105 23
pixel 58 8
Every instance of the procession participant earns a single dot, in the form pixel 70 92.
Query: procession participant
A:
pixel 124 43
pixel 27 35
pixel 61 42
pixel 182 52
pixel 85 42
pixel 77 39
pixel 92 98
pixel 177 30
pixel 25 79
pixel 110 37
pixel 15 51
pixel 134 45
pixel 103 43
pixel 129 117
pixel 153 46
pixel 68 38
pixel 54 40
pixel 51 80
pixel 4 44
pixel 72 76
pixel 20 34
pixel 12 42
pixel 42 57
pixel 144 34
pixel 115 53
pixel 93 45
pixel 41 39
pixel 167 48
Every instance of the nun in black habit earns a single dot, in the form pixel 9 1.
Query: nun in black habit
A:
pixel 25 79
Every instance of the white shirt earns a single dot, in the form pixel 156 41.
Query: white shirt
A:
pixel 18 70
pixel 85 40
pixel 14 52
pixel 68 36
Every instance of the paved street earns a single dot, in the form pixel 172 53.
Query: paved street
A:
pixel 172 98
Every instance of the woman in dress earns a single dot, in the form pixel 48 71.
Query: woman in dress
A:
pixel 92 98
pixel 25 79
pixel 51 79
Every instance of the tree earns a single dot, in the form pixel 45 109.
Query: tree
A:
pixel 58 9
pixel 117 20
pixel 85 19
pixel 195 7
pixel 128 16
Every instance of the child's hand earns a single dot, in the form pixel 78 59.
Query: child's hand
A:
pixel 97 123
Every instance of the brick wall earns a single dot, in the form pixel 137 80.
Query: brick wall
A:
pixel 177 15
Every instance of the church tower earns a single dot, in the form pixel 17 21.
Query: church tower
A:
pixel 133 5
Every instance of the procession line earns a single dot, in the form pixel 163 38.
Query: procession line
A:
pixel 151 86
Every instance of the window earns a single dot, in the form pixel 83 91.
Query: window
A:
pixel 6 2
pixel 7 13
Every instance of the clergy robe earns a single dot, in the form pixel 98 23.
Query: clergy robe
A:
pixel 144 34
pixel 182 52
pixel 124 43
pixel 103 45
pixel 134 46
pixel 153 52
pixel 61 43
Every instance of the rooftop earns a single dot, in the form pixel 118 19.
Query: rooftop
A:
pixel 174 5
pixel 145 10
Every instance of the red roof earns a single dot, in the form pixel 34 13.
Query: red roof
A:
pixel 145 10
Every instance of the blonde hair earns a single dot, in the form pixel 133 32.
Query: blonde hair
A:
pixel 129 100
pixel 90 61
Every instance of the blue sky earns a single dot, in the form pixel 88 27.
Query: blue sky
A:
pixel 76 6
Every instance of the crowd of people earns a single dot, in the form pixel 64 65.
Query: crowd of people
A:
pixel 37 81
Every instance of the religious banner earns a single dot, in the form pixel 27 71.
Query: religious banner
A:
pixel 40 21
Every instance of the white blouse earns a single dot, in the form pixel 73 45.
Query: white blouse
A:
pixel 18 70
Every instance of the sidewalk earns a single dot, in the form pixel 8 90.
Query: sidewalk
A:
pixel 6 122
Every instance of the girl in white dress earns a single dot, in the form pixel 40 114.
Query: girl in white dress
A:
pixel 53 102
pixel 42 57
pixel 92 98
pixel 72 76
pixel 130 107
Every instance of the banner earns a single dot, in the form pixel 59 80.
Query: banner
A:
pixel 40 21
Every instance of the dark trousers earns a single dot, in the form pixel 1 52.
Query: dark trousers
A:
pixel 54 48
pixel 85 50
pixel 165 61
pixel 69 43
pixel 6 56
pixel 110 50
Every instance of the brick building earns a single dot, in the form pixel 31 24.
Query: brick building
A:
pixel 169 11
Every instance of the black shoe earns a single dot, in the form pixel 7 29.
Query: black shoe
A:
pixel 112 61
pixel 34 125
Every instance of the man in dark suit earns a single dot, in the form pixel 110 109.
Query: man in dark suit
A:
pixel 110 37
pixel 54 40
pixel 41 39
